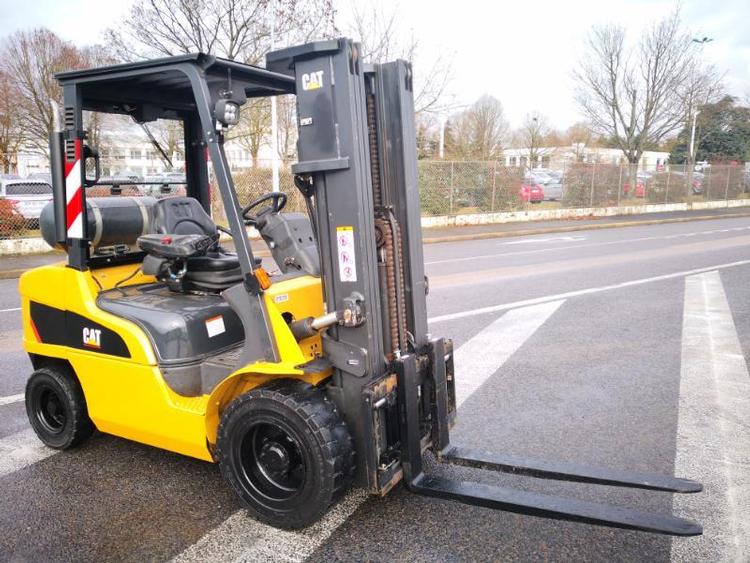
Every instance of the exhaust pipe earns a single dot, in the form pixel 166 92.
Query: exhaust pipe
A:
pixel 57 170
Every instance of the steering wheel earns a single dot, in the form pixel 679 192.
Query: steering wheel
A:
pixel 279 201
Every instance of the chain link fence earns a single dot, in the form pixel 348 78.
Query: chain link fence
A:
pixel 445 188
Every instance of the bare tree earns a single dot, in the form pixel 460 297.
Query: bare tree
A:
pixel 234 29
pixel 636 97
pixel 12 135
pixel 579 136
pixel 254 127
pixel 478 132
pixel 287 126
pixel 533 135
pixel 30 59
pixel 382 40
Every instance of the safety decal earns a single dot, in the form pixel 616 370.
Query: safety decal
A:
pixel 74 194
pixel 215 326
pixel 347 256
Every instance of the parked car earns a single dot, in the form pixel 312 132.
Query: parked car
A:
pixel 173 184
pixel 551 183
pixel 641 180
pixel 28 196
pixel 681 178
pixel 45 176
pixel 531 192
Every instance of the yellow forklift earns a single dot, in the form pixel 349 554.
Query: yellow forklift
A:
pixel 298 384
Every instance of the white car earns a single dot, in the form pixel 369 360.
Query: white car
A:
pixel 29 196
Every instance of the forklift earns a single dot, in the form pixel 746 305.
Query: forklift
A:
pixel 299 384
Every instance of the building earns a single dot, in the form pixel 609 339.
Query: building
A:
pixel 126 150
pixel 559 158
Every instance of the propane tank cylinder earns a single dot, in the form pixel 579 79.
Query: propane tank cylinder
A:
pixel 111 220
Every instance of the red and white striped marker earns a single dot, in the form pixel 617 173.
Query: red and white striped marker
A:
pixel 74 194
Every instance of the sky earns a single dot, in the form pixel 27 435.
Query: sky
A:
pixel 523 53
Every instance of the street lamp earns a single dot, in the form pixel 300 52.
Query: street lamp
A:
pixel 701 43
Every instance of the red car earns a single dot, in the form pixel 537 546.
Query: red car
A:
pixel 532 193
pixel 640 188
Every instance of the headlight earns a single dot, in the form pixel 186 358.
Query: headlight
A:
pixel 227 112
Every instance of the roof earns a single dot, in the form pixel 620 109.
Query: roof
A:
pixel 166 82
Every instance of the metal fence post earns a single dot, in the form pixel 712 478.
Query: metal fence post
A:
pixel 591 195
pixel 450 197
pixel 666 192
pixel 619 185
pixel 726 189
pixel 708 185
pixel 494 176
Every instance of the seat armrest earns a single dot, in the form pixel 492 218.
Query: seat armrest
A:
pixel 176 247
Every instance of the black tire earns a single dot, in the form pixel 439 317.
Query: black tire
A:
pixel 57 409
pixel 285 451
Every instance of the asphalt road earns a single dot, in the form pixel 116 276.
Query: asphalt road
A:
pixel 621 348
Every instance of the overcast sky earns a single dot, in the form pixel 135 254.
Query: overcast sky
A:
pixel 520 52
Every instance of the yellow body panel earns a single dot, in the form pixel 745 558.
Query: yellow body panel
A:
pixel 128 397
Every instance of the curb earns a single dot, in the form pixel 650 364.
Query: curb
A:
pixel 16 273
pixel 11 274
pixel 567 229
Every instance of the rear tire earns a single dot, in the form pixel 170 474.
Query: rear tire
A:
pixel 57 408
pixel 285 451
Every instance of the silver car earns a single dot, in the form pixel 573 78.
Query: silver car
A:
pixel 29 196
pixel 551 183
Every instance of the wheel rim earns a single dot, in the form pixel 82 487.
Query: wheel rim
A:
pixel 272 462
pixel 50 410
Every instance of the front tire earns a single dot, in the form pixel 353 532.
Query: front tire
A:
pixel 57 408
pixel 285 451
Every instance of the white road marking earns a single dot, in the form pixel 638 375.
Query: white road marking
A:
pixel 483 355
pixel 20 450
pixel 10 310
pixel 713 432
pixel 579 292
pixel 10 399
pixel 240 538
pixel 569 238
pixel 576 246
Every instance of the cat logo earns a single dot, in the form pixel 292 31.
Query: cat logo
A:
pixel 312 80
pixel 92 338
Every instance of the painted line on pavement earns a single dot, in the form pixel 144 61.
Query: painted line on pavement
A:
pixel 10 399
pixel 579 292
pixel 577 246
pixel 548 239
pixel 240 538
pixel 483 355
pixel 713 431
pixel 10 310
pixel 20 450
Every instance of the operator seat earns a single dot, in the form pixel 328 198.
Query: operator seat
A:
pixel 217 269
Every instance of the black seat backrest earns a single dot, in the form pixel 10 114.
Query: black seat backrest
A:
pixel 182 216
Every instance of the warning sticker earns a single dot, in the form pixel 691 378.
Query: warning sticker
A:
pixel 215 326
pixel 347 258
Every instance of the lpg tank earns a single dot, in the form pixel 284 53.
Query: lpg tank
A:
pixel 111 220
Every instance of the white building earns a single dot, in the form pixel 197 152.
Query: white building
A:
pixel 560 157
pixel 127 150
